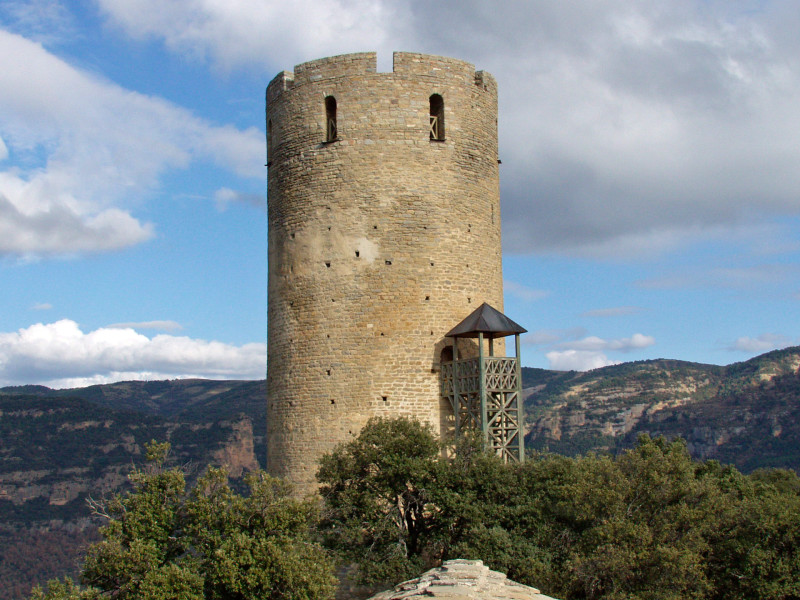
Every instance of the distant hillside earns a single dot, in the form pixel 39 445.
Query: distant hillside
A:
pixel 59 446
pixel 746 414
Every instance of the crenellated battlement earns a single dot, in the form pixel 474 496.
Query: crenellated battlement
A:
pixel 344 65
pixel 405 64
pixel 415 64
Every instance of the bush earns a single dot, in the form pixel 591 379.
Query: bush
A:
pixel 164 542
pixel 650 523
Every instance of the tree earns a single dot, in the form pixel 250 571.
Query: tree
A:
pixel 756 546
pixel 378 492
pixel 164 542
pixel 395 505
pixel 649 524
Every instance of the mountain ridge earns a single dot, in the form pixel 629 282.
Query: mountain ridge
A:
pixel 727 413
pixel 58 446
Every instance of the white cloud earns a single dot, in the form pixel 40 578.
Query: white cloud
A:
pixel 763 343
pixel 578 360
pixel 60 354
pixel 46 21
pixel 57 229
pixel 42 306
pixel 3 150
pixel 233 34
pixel 627 129
pixel 573 350
pixel 84 147
pixel 594 344
pixel 155 325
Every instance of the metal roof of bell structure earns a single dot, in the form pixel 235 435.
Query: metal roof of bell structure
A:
pixel 487 321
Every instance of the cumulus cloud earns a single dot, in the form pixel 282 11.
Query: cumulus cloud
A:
pixel 83 147
pixel 578 360
pixel 627 128
pixel 762 343
pixel 589 352
pixel 60 354
pixel 232 34
pixel 59 229
pixel 573 350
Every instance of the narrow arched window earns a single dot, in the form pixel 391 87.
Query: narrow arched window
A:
pixel 331 131
pixel 437 117
pixel 447 355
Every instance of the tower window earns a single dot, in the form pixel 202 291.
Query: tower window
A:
pixel 331 131
pixel 437 117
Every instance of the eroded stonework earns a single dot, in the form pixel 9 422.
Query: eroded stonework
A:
pixel 381 239
pixel 462 580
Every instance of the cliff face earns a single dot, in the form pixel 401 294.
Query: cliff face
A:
pixel 237 453
pixel 747 414
pixel 57 448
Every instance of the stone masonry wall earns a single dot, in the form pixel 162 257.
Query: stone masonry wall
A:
pixel 379 243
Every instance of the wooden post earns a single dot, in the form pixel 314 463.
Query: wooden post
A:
pixel 456 399
pixel 520 424
pixel 482 389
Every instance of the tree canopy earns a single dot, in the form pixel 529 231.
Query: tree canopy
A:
pixel 162 542
pixel 650 523
pixel 647 524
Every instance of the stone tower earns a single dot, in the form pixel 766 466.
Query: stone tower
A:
pixel 384 233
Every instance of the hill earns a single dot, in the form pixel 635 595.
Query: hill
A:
pixel 746 414
pixel 57 447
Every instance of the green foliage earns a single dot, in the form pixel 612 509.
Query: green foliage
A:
pixel 164 542
pixel 383 478
pixel 650 523
pixel 63 590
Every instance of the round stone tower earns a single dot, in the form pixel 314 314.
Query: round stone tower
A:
pixel 384 233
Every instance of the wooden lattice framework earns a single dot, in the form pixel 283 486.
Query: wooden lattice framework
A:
pixel 332 133
pixel 434 131
pixel 485 392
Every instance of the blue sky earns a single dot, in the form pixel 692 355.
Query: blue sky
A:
pixel 650 182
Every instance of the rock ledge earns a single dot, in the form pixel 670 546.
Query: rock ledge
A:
pixel 462 580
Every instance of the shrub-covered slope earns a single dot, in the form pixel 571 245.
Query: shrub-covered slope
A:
pixel 746 414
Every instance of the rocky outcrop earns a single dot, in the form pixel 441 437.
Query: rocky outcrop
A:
pixel 746 413
pixel 56 449
pixel 462 580
pixel 238 455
